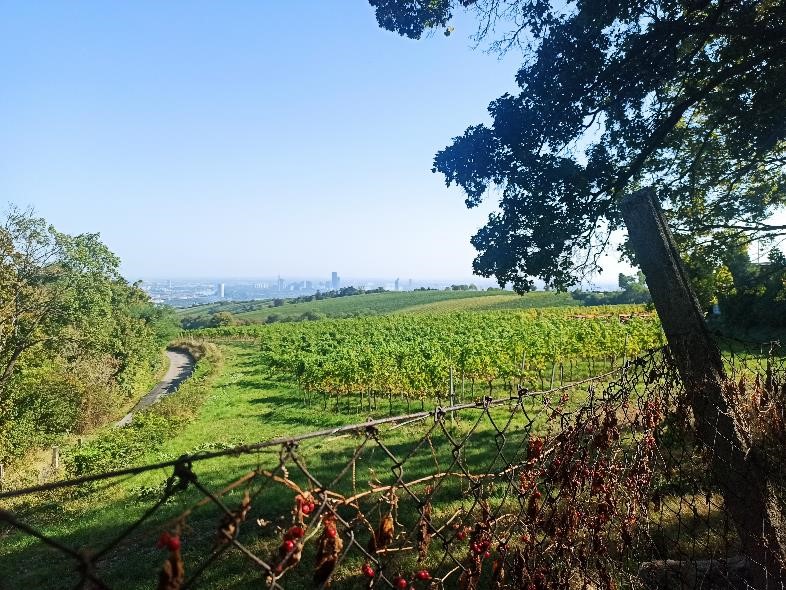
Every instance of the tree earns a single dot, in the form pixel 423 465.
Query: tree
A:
pixel 76 340
pixel 686 96
pixel 53 287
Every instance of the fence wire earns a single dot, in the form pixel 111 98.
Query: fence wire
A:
pixel 597 484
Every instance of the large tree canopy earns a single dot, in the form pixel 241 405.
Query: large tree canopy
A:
pixel 686 96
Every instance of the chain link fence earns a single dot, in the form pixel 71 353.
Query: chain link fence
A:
pixel 596 484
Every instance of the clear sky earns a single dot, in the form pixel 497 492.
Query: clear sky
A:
pixel 242 138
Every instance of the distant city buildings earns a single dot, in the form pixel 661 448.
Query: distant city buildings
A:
pixel 188 292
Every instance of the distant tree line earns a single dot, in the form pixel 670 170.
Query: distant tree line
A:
pixel 77 342
pixel 221 318
pixel 633 289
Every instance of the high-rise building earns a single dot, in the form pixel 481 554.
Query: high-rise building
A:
pixel 280 283
pixel 396 287
pixel 335 280
pixel 221 290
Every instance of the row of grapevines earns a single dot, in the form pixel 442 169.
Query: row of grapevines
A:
pixel 415 355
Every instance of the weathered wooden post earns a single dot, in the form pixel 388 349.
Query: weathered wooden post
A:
pixel 56 457
pixel 735 465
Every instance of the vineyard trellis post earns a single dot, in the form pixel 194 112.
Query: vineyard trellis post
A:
pixel 736 465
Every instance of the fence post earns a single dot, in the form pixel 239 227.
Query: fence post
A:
pixel 452 396
pixel 736 467
pixel 56 457
pixel 2 475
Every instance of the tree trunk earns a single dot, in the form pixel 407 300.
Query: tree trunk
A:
pixel 736 467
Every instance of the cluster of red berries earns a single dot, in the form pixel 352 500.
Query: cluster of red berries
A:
pixel 423 575
pixel 171 542
pixel 481 547
pixel 330 527
pixel 294 533
pixel 367 570
pixel 305 505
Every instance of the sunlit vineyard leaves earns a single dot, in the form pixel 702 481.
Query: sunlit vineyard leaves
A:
pixel 414 355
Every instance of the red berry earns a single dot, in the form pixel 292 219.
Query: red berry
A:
pixel 330 532
pixel 296 532
pixel 288 546
pixel 423 575
pixel 401 583
pixel 461 535
pixel 367 570
pixel 487 554
pixel 174 543
pixel 306 508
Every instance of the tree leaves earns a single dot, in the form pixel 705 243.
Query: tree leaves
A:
pixel 686 97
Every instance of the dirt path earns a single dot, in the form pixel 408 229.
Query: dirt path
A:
pixel 181 365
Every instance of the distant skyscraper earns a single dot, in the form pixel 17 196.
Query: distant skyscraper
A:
pixel 335 280
pixel 396 288
pixel 221 290
pixel 280 283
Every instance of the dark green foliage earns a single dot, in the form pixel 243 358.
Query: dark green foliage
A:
pixel 758 296
pixel 688 97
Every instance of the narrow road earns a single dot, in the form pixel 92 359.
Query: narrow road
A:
pixel 181 365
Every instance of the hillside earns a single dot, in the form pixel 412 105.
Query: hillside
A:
pixel 378 304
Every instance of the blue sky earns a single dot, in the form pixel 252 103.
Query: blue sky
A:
pixel 242 138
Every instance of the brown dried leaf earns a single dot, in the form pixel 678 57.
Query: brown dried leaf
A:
pixel 498 573
pixel 231 523
pixel 329 548
pixel 470 577
pixel 172 573
pixel 424 527
pixel 384 534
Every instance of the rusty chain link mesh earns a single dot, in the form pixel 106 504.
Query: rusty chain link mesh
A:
pixel 597 484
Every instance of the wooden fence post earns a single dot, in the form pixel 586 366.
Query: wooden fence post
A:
pixel 736 467
pixel 56 457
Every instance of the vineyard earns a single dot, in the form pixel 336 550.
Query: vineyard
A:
pixel 417 356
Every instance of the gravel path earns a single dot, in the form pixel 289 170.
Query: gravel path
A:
pixel 181 365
